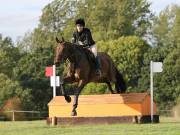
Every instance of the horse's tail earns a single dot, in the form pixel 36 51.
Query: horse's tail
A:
pixel 120 84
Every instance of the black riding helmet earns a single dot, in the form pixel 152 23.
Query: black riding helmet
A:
pixel 80 21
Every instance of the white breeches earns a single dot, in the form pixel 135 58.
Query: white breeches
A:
pixel 93 49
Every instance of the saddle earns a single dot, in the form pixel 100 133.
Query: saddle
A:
pixel 90 56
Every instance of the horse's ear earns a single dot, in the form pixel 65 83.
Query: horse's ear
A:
pixel 63 39
pixel 57 40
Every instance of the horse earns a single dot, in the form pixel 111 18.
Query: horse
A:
pixel 81 70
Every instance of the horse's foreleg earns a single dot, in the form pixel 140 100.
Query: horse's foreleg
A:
pixel 67 79
pixel 81 85
pixel 67 97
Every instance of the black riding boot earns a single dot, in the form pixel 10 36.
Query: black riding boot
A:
pixel 98 71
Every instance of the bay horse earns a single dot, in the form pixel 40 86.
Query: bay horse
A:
pixel 81 70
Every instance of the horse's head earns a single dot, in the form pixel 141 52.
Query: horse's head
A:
pixel 62 50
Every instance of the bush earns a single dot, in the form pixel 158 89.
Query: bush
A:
pixel 13 104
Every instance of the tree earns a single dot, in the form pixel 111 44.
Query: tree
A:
pixel 166 85
pixel 112 19
pixel 56 14
pixel 166 28
pixel 107 19
pixel 10 89
pixel 9 55
pixel 168 88
pixel 30 72
pixel 4 62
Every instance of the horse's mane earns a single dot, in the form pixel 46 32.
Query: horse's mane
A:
pixel 80 48
pixel 88 54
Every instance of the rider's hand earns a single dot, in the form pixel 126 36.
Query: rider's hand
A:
pixel 80 43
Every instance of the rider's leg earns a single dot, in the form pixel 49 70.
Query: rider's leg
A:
pixel 94 51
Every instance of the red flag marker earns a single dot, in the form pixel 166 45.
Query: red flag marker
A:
pixel 49 71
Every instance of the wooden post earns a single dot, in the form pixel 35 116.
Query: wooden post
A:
pixel 13 115
pixel 175 113
pixel 53 121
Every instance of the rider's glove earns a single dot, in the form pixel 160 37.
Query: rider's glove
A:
pixel 80 43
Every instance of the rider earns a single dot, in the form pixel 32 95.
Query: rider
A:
pixel 82 36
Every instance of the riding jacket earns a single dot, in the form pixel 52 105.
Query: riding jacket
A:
pixel 83 38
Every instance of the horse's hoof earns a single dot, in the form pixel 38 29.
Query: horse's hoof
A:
pixel 73 113
pixel 68 99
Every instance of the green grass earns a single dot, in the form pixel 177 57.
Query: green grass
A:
pixel 168 126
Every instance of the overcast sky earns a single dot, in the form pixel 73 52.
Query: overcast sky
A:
pixel 20 16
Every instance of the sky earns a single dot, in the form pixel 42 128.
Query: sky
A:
pixel 20 16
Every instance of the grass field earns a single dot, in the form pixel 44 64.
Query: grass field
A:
pixel 167 126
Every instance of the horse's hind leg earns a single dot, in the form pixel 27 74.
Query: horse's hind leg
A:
pixel 109 87
pixel 117 88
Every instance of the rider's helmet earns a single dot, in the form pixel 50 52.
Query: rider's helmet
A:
pixel 80 21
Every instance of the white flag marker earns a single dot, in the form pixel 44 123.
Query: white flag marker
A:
pixel 53 79
pixel 157 67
